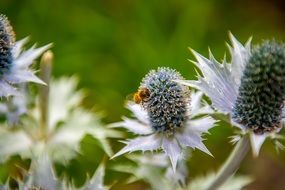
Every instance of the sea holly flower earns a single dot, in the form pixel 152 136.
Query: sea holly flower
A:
pixel 14 62
pixel 165 117
pixel 251 89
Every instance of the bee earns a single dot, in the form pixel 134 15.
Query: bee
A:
pixel 141 95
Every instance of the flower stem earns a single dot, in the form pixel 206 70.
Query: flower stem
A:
pixel 232 163
pixel 46 67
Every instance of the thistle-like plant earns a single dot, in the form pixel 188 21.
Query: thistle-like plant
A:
pixel 165 117
pixel 56 124
pixel 152 168
pixel 62 138
pixel 251 90
pixel 14 62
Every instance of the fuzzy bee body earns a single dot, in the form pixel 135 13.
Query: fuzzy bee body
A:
pixel 141 95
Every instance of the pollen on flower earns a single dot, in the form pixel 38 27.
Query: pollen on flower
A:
pixel 168 101
pixel 7 39
pixel 262 90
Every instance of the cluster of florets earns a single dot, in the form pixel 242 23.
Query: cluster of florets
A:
pixel 262 90
pixel 168 102
pixel 7 40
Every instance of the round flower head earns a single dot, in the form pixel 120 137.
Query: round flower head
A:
pixel 164 117
pixel 262 90
pixel 250 89
pixel 167 103
pixel 14 62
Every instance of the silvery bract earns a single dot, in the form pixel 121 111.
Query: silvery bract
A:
pixel 166 119
pixel 250 88
pixel 14 61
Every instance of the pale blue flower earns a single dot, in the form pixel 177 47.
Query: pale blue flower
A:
pixel 165 120
pixel 250 88
pixel 14 61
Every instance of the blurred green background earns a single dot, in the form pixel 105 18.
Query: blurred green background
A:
pixel 112 44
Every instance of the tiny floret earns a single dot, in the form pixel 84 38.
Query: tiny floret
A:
pixel 262 90
pixel 167 103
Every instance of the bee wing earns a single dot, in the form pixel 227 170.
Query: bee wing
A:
pixel 130 97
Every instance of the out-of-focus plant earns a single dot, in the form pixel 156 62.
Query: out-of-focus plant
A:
pixel 233 183
pixel 41 176
pixel 152 168
pixel 13 108
pixel 155 169
pixel 54 126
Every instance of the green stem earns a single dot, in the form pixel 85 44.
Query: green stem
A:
pixel 232 164
pixel 46 67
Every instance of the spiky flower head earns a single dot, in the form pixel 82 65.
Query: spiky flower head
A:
pixel 262 90
pixel 250 89
pixel 164 119
pixel 168 101
pixel 7 40
pixel 14 62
